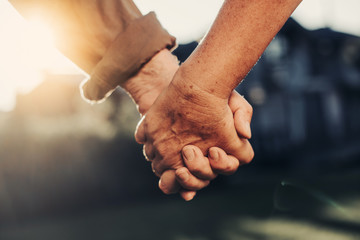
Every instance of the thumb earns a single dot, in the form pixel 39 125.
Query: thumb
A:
pixel 241 149
pixel 140 135
pixel 242 126
pixel 242 112
pixel 94 90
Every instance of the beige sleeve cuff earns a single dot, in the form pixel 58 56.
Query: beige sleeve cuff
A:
pixel 132 48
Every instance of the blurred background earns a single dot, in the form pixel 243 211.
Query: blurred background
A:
pixel 70 170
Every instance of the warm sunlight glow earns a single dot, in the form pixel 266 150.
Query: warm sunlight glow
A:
pixel 36 53
pixel 27 53
pixel 41 39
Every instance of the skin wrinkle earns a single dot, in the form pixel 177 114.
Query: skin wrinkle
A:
pixel 199 103
pixel 171 116
pixel 192 121
pixel 145 92
pixel 217 84
pixel 186 131
pixel 182 137
pixel 197 87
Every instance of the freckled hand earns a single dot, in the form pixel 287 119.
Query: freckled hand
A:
pixel 182 115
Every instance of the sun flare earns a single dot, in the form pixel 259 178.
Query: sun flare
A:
pixel 27 52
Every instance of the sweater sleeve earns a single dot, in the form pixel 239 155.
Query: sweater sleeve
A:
pixel 110 40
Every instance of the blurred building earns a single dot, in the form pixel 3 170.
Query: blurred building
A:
pixel 59 152
pixel 305 91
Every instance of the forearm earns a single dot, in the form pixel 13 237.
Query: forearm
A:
pixel 238 37
pixel 110 40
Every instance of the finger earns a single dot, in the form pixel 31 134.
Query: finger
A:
pixel 140 136
pixel 221 162
pixel 240 149
pixel 197 163
pixel 149 152
pixel 242 111
pixel 242 126
pixel 189 181
pixel 168 183
pixel 236 102
pixel 160 165
pixel 93 90
pixel 187 195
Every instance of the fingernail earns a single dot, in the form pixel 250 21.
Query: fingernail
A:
pixel 214 154
pixel 188 154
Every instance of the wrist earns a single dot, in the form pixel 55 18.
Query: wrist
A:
pixel 151 79
pixel 194 77
pixel 189 94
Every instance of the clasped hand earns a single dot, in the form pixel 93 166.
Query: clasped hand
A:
pixel 186 124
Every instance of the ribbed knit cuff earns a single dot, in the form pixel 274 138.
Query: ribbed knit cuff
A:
pixel 131 49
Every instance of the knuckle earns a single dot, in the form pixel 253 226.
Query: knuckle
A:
pixel 196 170
pixel 195 185
pixel 190 182
pixel 231 167
pixel 208 176
pixel 201 185
pixel 161 149
pixel 205 175
pixel 217 166
pixel 187 183
pixel 206 184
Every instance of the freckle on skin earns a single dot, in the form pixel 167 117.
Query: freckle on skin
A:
pixel 212 90
pixel 191 86
pixel 189 97
pixel 205 136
